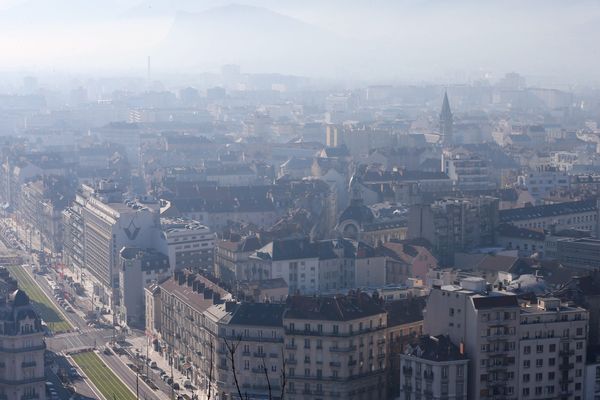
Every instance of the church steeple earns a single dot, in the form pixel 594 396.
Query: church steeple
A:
pixel 446 121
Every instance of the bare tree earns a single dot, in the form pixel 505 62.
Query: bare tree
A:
pixel 231 349
pixel 210 370
pixel 266 371
pixel 282 375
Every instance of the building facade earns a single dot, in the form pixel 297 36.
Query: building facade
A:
pixel 22 348
pixel 433 368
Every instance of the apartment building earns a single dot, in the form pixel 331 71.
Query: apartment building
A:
pixel 335 347
pixel 249 337
pixel 188 244
pixel 455 224
pixel 22 348
pixel 433 368
pixel 182 299
pixel 552 350
pixel 231 256
pixel 546 180
pixel 510 343
pixel 580 215
pixel 467 171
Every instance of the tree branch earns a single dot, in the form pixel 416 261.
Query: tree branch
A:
pixel 267 377
pixel 231 348
pixel 283 375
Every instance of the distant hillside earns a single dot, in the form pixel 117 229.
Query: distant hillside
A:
pixel 254 37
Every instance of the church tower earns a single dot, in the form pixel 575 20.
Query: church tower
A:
pixel 446 121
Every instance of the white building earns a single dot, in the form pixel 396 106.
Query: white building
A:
pixel 188 243
pixel 516 351
pixel 109 225
pixel 138 269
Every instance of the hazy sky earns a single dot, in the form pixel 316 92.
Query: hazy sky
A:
pixel 376 39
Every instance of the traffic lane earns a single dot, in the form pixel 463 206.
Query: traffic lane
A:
pixel 81 387
pixel 128 376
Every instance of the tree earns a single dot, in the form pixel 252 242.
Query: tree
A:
pixel 232 347
pixel 210 370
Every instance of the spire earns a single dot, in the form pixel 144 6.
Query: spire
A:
pixel 446 120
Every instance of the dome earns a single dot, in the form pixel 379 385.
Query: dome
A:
pixel 19 298
pixel 358 212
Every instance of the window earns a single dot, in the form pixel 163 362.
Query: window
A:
pixel 539 376
pixel 246 364
pixel 539 348
pixel 526 349
pixel 336 329
pixel 307 343
pixel 525 377
pixel 539 363
pixel 551 361
pixel 526 363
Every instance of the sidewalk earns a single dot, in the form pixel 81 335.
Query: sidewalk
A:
pixel 140 343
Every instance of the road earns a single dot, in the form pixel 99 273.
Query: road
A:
pixel 90 337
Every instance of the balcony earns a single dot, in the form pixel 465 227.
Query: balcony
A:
pixel 290 346
pixel 566 367
pixel 291 361
pixel 428 375
pixel 28 364
pixel 351 363
pixel 342 349
pixel 407 371
pixel 566 353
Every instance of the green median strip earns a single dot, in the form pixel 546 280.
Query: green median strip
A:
pixel 41 303
pixel 102 377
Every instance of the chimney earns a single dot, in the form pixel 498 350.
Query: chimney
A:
pixel 207 293
pixel 200 288
pixel 190 279
pixel 181 279
pixel 216 298
pixel 229 306
pixel 462 348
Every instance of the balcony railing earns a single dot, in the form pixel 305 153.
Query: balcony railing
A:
pixel 343 349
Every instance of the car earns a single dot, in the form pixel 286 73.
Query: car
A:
pixel 169 381
pixel 69 309
pixel 187 384
pixel 153 365
pixel 73 373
